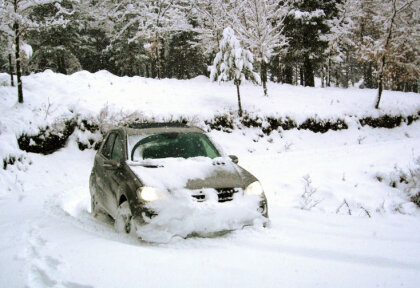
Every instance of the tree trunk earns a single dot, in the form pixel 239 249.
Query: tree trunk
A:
pixel 288 74
pixel 12 82
pixel 162 67
pixel 367 75
pixel 308 72
pixel 337 77
pixel 382 67
pixel 17 56
pixel 329 73
pixel 239 98
pixel 61 66
pixel 379 91
pixel 147 71
pixel 301 76
pixel 157 62
pixel 264 76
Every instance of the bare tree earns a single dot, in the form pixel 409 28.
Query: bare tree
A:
pixel 393 43
pixel 260 25
pixel 391 38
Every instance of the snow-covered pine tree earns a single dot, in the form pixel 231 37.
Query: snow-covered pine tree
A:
pixel 260 26
pixel 18 17
pixel 233 63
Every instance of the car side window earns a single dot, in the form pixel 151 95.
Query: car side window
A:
pixel 117 151
pixel 106 150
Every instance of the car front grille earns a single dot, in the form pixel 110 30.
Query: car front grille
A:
pixel 200 197
pixel 223 194
pixel 226 194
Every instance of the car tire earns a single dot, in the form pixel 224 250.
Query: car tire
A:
pixel 94 209
pixel 123 218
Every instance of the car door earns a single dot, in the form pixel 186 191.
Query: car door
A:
pixel 116 177
pixel 101 172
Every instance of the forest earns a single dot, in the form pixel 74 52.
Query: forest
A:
pixel 371 43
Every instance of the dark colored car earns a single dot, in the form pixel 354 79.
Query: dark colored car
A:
pixel 119 190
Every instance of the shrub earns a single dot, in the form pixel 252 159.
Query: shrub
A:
pixel 49 139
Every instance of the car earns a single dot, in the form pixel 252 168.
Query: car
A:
pixel 133 165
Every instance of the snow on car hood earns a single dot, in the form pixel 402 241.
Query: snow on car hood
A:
pixel 192 173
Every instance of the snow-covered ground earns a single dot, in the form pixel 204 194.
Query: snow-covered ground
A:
pixel 49 239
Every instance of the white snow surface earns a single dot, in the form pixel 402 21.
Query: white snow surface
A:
pixel 49 238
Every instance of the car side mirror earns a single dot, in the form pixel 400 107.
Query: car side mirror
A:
pixel 112 164
pixel 234 158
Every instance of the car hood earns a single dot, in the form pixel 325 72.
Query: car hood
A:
pixel 192 173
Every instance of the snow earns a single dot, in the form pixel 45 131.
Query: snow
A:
pixel 27 49
pixel 179 215
pixel 237 61
pixel 178 171
pixel 49 238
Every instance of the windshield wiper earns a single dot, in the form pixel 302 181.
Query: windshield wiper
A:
pixel 147 165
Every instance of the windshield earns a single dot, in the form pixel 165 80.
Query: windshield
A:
pixel 166 145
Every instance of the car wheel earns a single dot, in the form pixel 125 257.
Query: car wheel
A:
pixel 123 218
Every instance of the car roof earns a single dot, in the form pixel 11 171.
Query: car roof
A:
pixel 160 127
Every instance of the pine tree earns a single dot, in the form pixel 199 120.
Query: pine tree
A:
pixel 185 58
pixel 233 63
pixel 305 26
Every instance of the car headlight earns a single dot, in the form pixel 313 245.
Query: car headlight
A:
pixel 254 188
pixel 149 193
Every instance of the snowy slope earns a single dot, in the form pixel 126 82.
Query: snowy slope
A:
pixel 49 239
pixel 86 92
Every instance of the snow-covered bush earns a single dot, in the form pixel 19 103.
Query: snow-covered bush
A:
pixel 49 139
pixel 385 121
pixel 286 123
pixel 407 180
pixel 318 125
pixel 222 122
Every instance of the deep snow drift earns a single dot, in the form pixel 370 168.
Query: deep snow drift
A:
pixel 340 217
